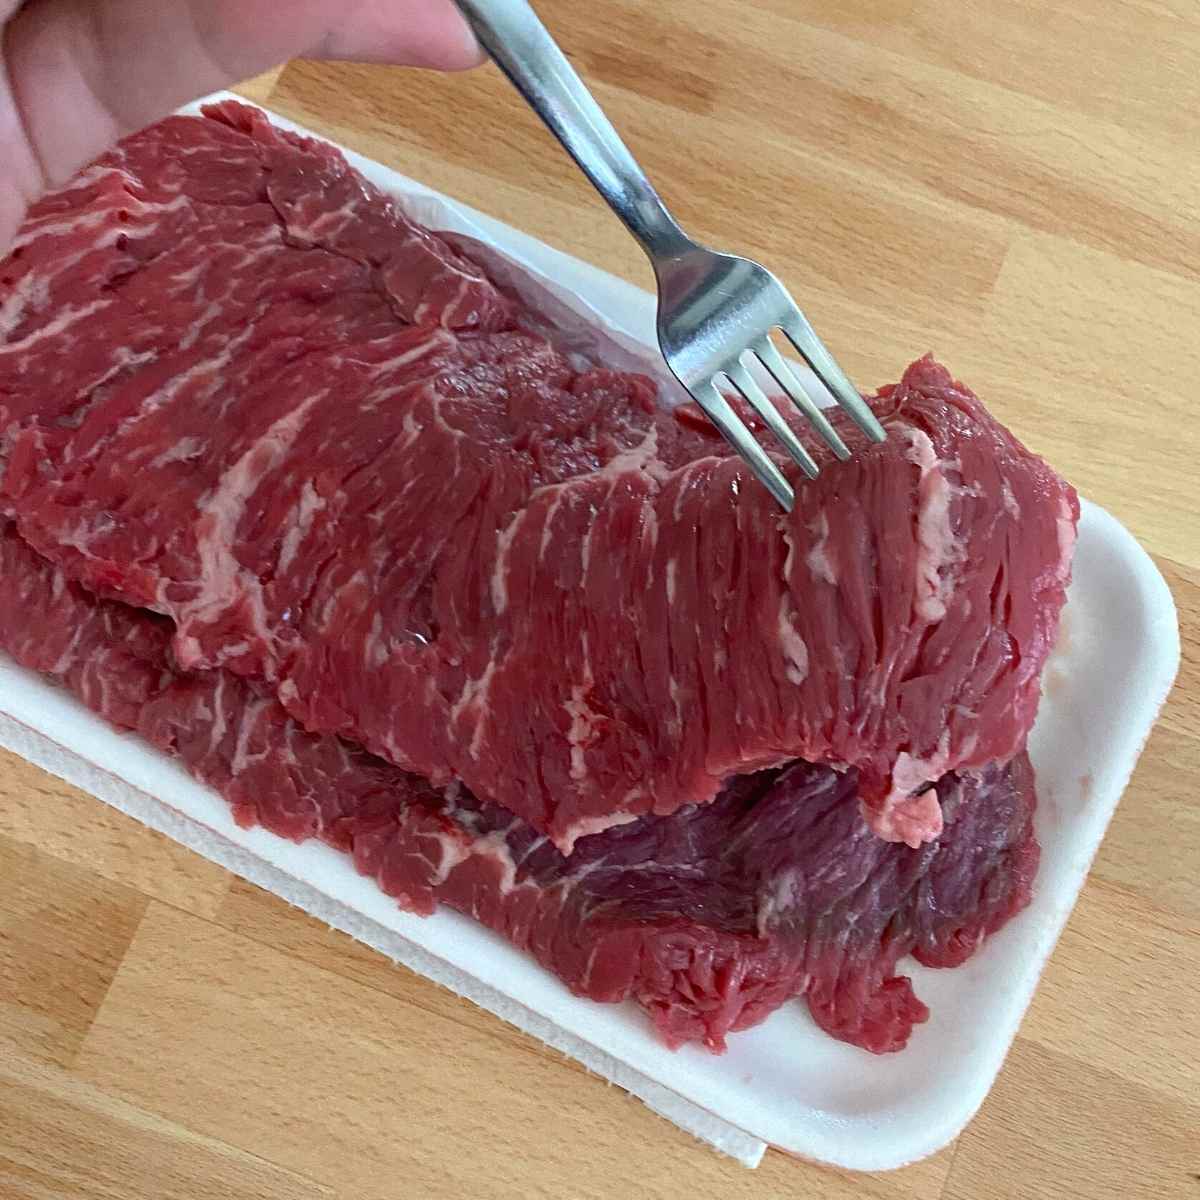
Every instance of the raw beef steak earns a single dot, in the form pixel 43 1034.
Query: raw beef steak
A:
pixel 709 918
pixel 240 389
pixel 293 488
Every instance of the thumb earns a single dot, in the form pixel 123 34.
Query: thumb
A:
pixel 82 73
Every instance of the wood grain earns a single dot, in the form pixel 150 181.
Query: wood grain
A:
pixel 1010 184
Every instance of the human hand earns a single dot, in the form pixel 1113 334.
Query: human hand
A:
pixel 75 75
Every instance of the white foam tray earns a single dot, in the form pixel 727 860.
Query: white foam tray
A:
pixel 784 1083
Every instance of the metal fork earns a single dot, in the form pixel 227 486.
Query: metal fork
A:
pixel 716 311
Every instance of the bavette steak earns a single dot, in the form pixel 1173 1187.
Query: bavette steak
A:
pixel 294 489
pixel 709 918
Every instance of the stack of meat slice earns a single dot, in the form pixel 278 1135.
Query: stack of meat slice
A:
pixel 291 487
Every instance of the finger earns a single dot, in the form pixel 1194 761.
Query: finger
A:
pixel 435 35
pixel 84 72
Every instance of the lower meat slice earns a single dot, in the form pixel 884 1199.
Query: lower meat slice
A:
pixel 709 918
pixel 240 388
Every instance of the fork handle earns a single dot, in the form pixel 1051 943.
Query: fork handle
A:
pixel 521 46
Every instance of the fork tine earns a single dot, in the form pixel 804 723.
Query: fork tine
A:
pixel 721 414
pixel 757 398
pixel 800 334
pixel 786 378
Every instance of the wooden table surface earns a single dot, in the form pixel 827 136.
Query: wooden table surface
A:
pixel 1012 184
